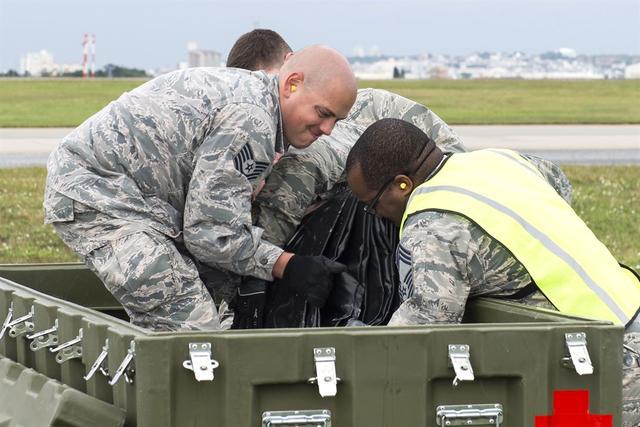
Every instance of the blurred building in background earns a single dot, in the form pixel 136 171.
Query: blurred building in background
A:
pixel 201 57
pixel 41 64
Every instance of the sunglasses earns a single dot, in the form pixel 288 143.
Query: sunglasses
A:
pixel 370 208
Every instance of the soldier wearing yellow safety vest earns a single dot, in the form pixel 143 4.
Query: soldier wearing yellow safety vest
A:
pixel 489 224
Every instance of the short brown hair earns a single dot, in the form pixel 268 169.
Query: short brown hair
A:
pixel 258 50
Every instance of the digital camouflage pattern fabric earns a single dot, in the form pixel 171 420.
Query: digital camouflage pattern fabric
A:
pixel 302 176
pixel 631 376
pixel 444 259
pixel 176 157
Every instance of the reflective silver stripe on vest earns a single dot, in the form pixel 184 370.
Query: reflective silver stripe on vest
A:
pixel 527 166
pixel 539 235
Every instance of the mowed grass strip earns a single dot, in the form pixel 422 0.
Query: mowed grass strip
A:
pixel 68 102
pixel 57 102
pixel 523 101
pixel 606 197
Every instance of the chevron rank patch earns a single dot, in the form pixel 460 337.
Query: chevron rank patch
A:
pixel 403 260
pixel 247 165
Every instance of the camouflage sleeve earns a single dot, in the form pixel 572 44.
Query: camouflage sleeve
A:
pixel 554 175
pixel 375 104
pixel 232 161
pixel 299 177
pixel 432 261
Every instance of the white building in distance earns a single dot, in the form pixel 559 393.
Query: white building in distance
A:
pixel 37 64
pixel 632 71
pixel 202 58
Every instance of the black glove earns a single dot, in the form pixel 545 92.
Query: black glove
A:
pixel 248 304
pixel 312 277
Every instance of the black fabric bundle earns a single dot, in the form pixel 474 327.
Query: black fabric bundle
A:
pixel 341 230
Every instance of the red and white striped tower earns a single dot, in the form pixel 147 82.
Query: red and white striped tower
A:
pixel 85 54
pixel 93 55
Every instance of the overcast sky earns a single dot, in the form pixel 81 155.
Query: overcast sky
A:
pixel 154 33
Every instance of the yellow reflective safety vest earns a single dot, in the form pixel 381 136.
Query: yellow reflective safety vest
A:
pixel 513 203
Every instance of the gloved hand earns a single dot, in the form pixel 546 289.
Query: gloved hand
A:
pixel 312 277
pixel 248 304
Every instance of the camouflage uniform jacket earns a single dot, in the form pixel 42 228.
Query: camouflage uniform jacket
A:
pixel 302 176
pixel 180 154
pixel 444 259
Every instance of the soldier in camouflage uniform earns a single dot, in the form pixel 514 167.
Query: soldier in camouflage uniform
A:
pixel 444 259
pixel 163 176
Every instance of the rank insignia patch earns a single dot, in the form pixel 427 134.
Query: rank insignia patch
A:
pixel 247 165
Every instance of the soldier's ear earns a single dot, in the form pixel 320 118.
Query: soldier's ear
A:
pixel 403 185
pixel 292 83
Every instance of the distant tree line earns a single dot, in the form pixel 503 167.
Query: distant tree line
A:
pixel 109 70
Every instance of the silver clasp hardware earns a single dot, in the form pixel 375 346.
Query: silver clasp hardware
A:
pixel 459 358
pixel 45 338
pixel 469 415
pixel 21 325
pixel 316 417
pixel 99 363
pixel 68 350
pixel 325 361
pixel 576 344
pixel 7 320
pixel 122 369
pixel 200 361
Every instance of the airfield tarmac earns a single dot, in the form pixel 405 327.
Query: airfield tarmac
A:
pixel 576 144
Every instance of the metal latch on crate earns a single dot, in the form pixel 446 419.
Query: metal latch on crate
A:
pixel 7 320
pixel 21 325
pixel 99 363
pixel 469 415
pixel 459 359
pixel 325 361
pixel 318 417
pixel 69 350
pixel 46 338
pixel 578 358
pixel 124 368
pixel 200 361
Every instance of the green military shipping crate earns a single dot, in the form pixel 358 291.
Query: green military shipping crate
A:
pixel 500 367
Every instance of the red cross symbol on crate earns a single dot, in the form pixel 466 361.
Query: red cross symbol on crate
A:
pixel 571 409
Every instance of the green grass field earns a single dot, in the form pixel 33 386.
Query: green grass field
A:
pixel 606 197
pixel 51 103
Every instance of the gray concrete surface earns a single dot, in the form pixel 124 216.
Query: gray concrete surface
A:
pixel 586 144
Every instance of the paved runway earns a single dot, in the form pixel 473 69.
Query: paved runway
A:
pixel 584 144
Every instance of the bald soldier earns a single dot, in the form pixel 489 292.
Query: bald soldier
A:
pixel 163 177
pixel 489 224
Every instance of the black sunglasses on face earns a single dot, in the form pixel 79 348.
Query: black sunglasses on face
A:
pixel 370 208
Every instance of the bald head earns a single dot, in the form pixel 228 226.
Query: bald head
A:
pixel 321 66
pixel 317 88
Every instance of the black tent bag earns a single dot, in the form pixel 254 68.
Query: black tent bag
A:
pixel 341 230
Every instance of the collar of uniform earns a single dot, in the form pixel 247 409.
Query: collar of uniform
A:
pixel 281 143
